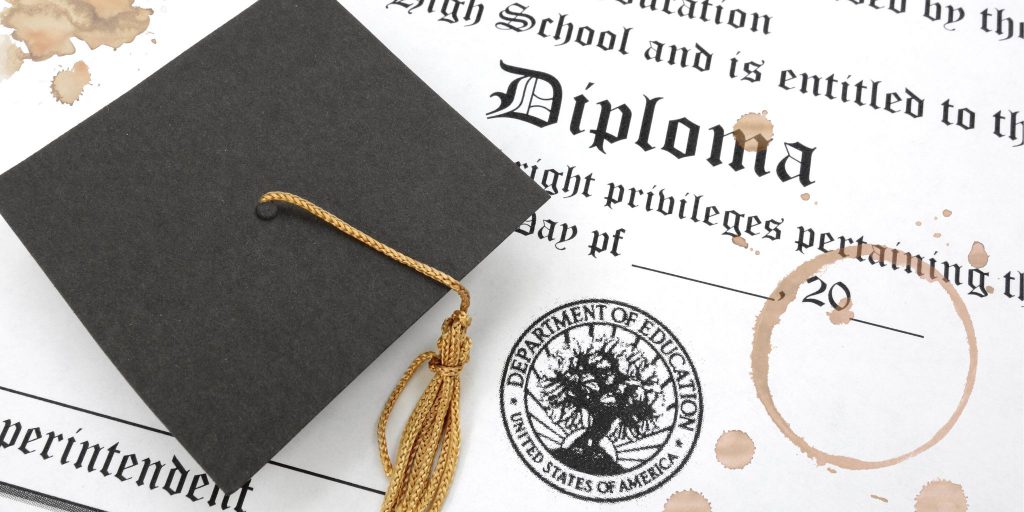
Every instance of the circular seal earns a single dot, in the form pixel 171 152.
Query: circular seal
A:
pixel 601 400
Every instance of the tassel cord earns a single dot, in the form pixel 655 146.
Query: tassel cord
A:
pixel 428 449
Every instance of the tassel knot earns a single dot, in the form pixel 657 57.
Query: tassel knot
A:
pixel 453 345
pixel 442 370
pixel 416 481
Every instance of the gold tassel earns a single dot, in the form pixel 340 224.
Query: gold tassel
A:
pixel 416 482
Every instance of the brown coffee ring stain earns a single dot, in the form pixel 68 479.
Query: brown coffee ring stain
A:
pixel 771 315
pixel 46 27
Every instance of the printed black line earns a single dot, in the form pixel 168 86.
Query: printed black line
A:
pixel 166 433
pixel 325 477
pixel 86 411
pixel 24 495
pixel 702 282
pixel 880 326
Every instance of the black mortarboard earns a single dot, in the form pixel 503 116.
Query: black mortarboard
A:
pixel 234 330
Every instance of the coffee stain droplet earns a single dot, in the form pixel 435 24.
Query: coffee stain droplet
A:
pixel 47 26
pixel 68 84
pixel 947 213
pixel 805 196
pixel 978 257
pixel 687 501
pixel 832 470
pixel 937 235
pixel 753 131
pixel 918 223
pixel 843 314
pixel 740 241
pixel 941 496
pixel 879 498
pixel 734 449
pixel 990 289
pixel 11 57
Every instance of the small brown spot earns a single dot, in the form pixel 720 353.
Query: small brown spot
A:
pixel 978 257
pixel 68 85
pixel 941 496
pixel 753 131
pixel 687 501
pixel 918 223
pixel 832 470
pixel 990 289
pixel 11 57
pixel 734 449
pixel 947 213
pixel 937 235
pixel 843 314
pixel 740 241
pixel 805 196
pixel 879 498
pixel 757 253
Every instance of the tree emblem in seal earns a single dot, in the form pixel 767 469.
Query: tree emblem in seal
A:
pixel 601 400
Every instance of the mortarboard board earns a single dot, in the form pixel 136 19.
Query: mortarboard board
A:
pixel 236 331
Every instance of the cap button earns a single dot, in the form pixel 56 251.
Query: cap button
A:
pixel 266 211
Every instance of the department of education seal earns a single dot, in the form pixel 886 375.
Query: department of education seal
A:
pixel 601 400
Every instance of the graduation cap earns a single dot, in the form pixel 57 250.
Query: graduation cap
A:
pixel 237 331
